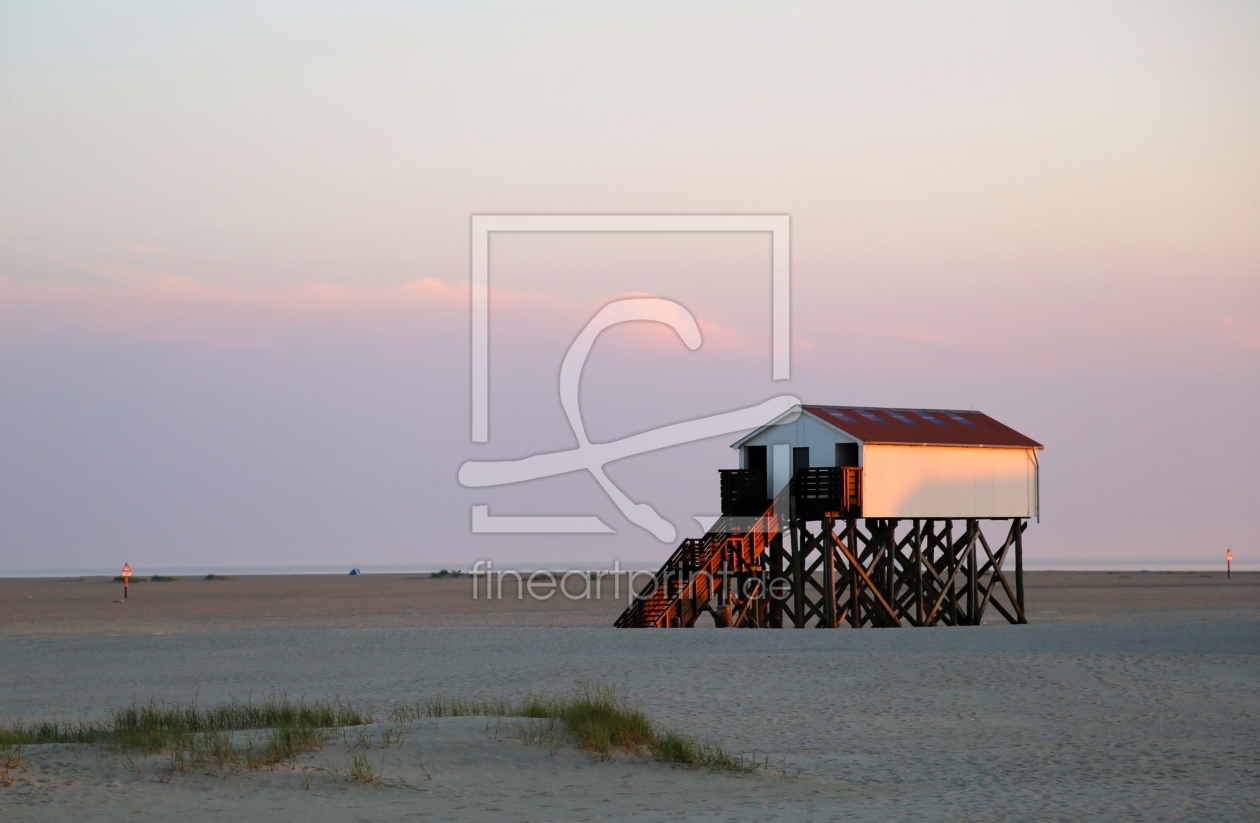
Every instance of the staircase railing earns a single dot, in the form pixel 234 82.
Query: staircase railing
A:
pixel 678 589
pixel 687 578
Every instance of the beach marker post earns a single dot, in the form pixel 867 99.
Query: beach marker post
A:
pixel 126 576
pixel 1229 559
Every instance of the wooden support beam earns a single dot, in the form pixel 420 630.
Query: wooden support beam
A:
pixel 872 588
pixel 798 576
pixel 855 580
pixel 918 574
pixel 952 602
pixel 995 577
pixel 999 576
pixel 1018 527
pixel 973 578
pixel 827 544
pixel 956 612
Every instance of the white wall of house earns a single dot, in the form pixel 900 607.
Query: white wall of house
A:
pixel 948 481
pixel 780 467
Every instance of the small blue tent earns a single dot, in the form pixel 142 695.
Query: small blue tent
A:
pixel 355 571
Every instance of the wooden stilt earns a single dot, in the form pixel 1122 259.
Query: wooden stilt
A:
pixel 775 604
pixel 973 580
pixel 1018 528
pixel 828 545
pixel 952 600
pixel 917 542
pixel 855 583
pixel 798 577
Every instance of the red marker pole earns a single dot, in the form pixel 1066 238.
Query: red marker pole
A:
pixel 1229 558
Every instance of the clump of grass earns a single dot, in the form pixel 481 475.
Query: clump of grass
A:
pixel 121 579
pixel 198 752
pixel 592 717
pixel 362 740
pixel 599 719
pixel 216 577
pixel 270 713
pixel 11 760
pixel 162 578
pixel 285 744
pixel 447 573
pixel 361 769
pixel 198 739
pixel 18 733
pixel 672 747
pixel 154 727
pixel 535 705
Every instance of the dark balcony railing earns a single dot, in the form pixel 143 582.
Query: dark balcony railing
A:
pixel 815 492
pixel 743 493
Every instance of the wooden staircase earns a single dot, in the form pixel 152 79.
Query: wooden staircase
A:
pixel 719 572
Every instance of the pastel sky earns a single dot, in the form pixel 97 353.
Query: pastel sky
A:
pixel 234 254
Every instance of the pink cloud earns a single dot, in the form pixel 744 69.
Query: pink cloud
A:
pixel 1241 332
pixel 137 304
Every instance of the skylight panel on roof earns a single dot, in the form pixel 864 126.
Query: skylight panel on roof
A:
pixel 869 415
pixel 934 420
pixel 901 418
pixel 840 415
pixel 959 418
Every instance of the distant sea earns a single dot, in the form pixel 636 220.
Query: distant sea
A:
pixel 427 568
pixel 141 569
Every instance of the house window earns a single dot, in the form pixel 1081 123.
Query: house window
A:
pixel 800 459
pixel 846 454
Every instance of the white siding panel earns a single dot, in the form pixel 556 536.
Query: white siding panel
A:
pixel 944 481
pixel 780 467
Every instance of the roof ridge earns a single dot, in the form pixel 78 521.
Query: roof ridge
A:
pixel 889 408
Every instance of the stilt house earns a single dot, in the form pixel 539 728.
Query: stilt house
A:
pixel 860 516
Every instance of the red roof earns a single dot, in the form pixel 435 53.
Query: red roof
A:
pixel 922 427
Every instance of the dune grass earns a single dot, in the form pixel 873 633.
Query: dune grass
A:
pixel 11 760
pixel 216 577
pixel 594 717
pixel 152 726
pixel 196 738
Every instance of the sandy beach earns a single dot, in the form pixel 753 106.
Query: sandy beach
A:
pixel 1130 696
